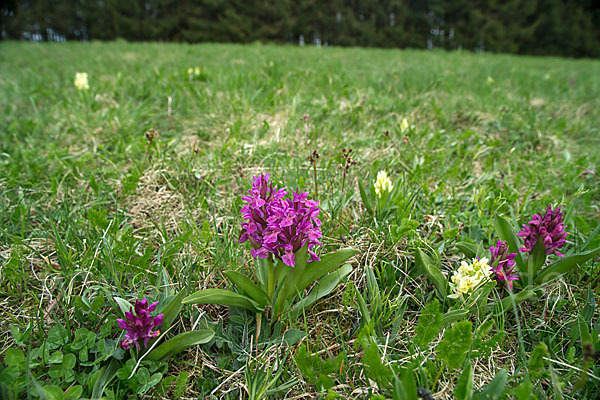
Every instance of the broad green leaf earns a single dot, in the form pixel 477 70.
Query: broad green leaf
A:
pixel 329 262
pixel 53 392
pixel 179 343
pixel 69 361
pixel 108 373
pixel 505 232
pixel 56 357
pixel 222 297
pixel 590 238
pixel 247 286
pixel 565 264
pixel 58 336
pixel 468 249
pixel 405 387
pixel 507 302
pixel 74 393
pixel 536 260
pixel 14 357
pixel 171 310
pixel 290 337
pixel 409 384
pixel 321 289
pixel 291 285
pixel 455 315
pixel 524 390
pixel 429 325
pixel 464 386
pixel 372 286
pixel 362 307
pixel 262 272
pixel 590 306
pixel 455 345
pixel 494 389
pixel 124 305
pixel 365 197
pixel 426 266
pixel 584 332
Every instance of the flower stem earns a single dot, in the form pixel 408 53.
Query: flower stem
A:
pixel 271 279
pixel 316 181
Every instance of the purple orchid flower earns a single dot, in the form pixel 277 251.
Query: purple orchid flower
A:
pixel 503 263
pixel 277 225
pixel 139 326
pixel 549 228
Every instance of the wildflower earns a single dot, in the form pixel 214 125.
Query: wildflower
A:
pixel 502 264
pixel 469 276
pixel 193 71
pixel 81 81
pixel 383 184
pixel 139 326
pixel 279 226
pixel 404 125
pixel 549 228
pixel 490 80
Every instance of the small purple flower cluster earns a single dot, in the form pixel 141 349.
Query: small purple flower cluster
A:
pixel 505 263
pixel 549 228
pixel 274 224
pixel 139 326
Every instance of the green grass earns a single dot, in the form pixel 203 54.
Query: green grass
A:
pixel 89 210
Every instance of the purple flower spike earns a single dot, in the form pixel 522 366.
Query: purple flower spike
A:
pixel 279 226
pixel 504 263
pixel 548 228
pixel 139 326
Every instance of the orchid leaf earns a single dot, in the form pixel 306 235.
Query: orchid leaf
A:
pixel 179 343
pixel 536 259
pixel 329 262
pixel 494 389
pixel 248 286
pixel 426 266
pixel 464 386
pixel 291 285
pixel 222 297
pixel 123 304
pixel 108 373
pixel 507 302
pixel 171 310
pixel 322 289
pixel 455 315
pixel 565 264
pixel 365 197
pixel 468 249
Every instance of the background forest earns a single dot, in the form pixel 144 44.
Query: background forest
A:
pixel 549 27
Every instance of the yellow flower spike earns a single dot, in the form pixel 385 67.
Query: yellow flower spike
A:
pixel 490 80
pixel 404 125
pixel 383 184
pixel 469 276
pixel 81 81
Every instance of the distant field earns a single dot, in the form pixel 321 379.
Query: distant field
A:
pixel 89 209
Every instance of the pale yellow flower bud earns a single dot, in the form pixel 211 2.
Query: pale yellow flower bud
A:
pixel 81 81
pixel 383 184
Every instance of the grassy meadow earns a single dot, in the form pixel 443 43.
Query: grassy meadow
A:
pixel 93 207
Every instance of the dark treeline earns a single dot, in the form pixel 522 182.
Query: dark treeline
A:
pixel 553 27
